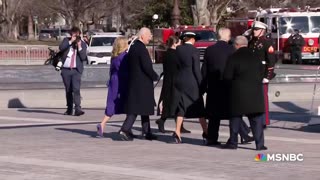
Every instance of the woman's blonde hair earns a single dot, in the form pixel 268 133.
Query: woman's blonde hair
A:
pixel 119 46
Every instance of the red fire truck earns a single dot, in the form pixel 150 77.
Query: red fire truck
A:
pixel 206 34
pixel 282 22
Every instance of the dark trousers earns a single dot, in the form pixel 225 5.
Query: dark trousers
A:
pixel 244 130
pixel 296 57
pixel 131 118
pixel 72 82
pixel 256 125
pixel 213 129
pixel 214 126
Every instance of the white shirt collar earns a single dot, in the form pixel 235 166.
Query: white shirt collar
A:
pixel 188 43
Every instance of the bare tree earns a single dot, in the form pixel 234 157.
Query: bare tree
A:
pixel 201 14
pixel 209 12
pixel 9 17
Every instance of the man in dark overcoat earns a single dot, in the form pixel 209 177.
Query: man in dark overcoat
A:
pixel 140 100
pixel 244 75
pixel 212 83
pixel 215 59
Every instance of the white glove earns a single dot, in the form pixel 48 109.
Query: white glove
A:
pixel 265 80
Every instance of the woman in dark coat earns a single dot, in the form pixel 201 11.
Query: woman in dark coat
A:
pixel 170 69
pixel 117 85
pixel 188 102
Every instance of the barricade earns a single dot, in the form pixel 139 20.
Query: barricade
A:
pixel 24 55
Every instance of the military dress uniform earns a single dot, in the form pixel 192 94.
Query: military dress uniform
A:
pixel 264 51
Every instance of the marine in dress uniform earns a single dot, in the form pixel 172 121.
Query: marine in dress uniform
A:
pixel 264 51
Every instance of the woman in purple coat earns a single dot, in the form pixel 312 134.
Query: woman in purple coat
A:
pixel 117 86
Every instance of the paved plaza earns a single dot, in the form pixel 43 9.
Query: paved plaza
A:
pixel 41 143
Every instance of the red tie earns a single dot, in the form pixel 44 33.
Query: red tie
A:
pixel 73 58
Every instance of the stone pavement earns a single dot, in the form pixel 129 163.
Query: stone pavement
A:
pixel 44 144
pixel 39 143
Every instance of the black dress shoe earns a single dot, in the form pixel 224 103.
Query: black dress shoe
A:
pixel 265 127
pixel 79 113
pixel 183 130
pixel 229 146
pixel 149 136
pixel 263 148
pixel 125 136
pixel 247 140
pixel 68 112
pixel 213 143
pixel 160 123
pixel 132 135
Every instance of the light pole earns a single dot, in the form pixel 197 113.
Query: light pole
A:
pixel 155 17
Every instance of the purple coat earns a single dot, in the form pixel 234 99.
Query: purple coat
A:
pixel 117 89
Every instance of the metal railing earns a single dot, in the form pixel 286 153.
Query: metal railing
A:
pixel 23 55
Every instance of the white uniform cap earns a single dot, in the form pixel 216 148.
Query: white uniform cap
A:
pixel 260 25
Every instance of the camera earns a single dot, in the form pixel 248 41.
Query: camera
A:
pixel 78 38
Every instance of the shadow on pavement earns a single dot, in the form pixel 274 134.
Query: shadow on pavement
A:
pixel 93 134
pixel 290 106
pixel 38 111
pixel 15 103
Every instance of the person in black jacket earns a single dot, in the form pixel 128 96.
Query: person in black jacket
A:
pixel 296 42
pixel 215 59
pixel 74 53
pixel 244 75
pixel 188 100
pixel 140 100
pixel 170 69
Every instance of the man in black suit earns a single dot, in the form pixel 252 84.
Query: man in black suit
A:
pixel 140 87
pixel 74 53
pixel 215 59
pixel 244 75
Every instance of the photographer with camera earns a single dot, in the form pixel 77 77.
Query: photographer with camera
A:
pixel 71 69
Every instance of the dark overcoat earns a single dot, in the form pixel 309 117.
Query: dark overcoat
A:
pixel 189 98
pixel 213 84
pixel 170 70
pixel 140 100
pixel 244 75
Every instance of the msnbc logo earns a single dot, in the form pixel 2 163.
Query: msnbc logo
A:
pixel 260 157
pixel 279 157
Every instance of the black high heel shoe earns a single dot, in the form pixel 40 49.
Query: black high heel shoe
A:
pixel 205 137
pixel 176 138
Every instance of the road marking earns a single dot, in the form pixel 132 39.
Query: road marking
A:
pixel 107 169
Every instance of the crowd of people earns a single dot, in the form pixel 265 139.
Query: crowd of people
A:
pixel 234 78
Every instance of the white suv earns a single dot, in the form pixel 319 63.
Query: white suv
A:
pixel 100 47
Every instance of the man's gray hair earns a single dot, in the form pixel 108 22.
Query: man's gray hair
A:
pixel 143 31
pixel 224 33
pixel 241 41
